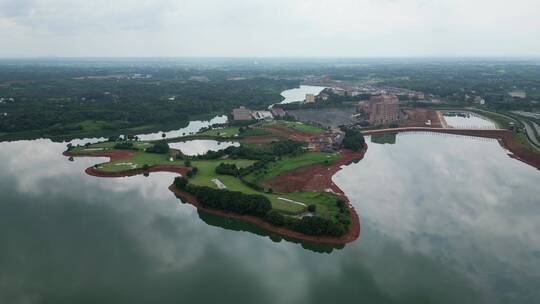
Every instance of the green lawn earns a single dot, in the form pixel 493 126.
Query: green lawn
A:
pixel 325 202
pixel 106 145
pixel 289 164
pixel 138 161
pixel 226 132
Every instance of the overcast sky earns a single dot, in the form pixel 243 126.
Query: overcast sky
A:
pixel 238 28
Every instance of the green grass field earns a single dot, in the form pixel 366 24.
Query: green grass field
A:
pixel 138 161
pixel 225 132
pixel 290 163
pixel 207 173
pixel 106 145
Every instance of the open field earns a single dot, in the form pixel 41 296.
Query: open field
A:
pixel 138 160
pixel 289 164
pixel 225 132
pixel 207 173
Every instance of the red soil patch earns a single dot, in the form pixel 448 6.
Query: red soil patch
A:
pixel 314 178
pixel 318 178
pixel 418 118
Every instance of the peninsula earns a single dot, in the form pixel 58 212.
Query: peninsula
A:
pixel 278 175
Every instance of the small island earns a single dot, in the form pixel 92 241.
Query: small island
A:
pixel 277 176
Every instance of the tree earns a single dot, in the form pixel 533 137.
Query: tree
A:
pixel 354 140
pixel 275 218
pixel 187 163
pixel 180 182
pixel 161 147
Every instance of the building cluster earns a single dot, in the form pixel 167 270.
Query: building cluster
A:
pixel 243 113
pixel 381 109
pixel 330 142
pixel 310 98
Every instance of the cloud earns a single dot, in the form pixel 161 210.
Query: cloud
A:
pixel 269 28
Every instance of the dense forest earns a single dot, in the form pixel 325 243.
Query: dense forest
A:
pixel 59 100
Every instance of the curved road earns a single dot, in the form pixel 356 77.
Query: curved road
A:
pixel 531 135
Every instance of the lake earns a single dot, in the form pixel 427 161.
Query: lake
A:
pixel 193 127
pixel 201 146
pixel 299 94
pixel 445 219
pixel 468 120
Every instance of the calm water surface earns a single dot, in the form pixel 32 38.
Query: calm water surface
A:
pixel 193 127
pixel 470 120
pixel 444 220
pixel 299 94
pixel 201 146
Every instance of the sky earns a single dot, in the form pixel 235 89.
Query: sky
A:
pixel 269 28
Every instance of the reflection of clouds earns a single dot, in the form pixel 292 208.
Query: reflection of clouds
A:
pixel 193 126
pixel 201 146
pixel 472 121
pixel 29 162
pixel 299 94
pixel 466 196
pixel 478 216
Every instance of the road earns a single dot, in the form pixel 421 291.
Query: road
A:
pixel 530 133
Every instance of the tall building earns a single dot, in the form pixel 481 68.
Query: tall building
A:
pixel 241 113
pixel 383 109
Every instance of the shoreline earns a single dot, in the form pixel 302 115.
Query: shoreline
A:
pixel 503 136
pixel 352 234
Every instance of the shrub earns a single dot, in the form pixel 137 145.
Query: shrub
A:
pixel 124 145
pixel 161 147
pixel 312 208
pixel 227 169
pixel 275 218
pixel 234 201
pixel 180 182
pixel 353 140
